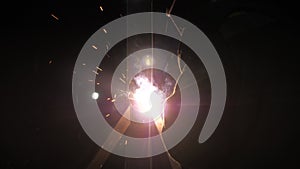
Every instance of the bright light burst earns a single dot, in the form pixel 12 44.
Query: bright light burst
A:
pixel 147 99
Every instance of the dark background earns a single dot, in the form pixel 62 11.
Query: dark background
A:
pixel 256 40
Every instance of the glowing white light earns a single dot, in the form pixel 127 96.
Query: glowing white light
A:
pixel 148 99
pixel 148 61
pixel 95 95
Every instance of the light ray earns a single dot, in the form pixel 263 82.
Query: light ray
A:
pixel 111 141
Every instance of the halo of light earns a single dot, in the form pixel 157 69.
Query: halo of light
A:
pixel 163 58
pixel 87 109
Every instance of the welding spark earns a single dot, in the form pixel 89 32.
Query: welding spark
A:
pixel 94 47
pixel 95 72
pixel 178 61
pixel 171 8
pixel 99 68
pixel 123 81
pixel 123 75
pixel 55 17
pixel 178 78
pixel 104 30
pixel 168 14
pixel 147 98
pixel 179 30
pixel 101 8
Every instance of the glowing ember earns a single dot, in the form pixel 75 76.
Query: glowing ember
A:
pixel 147 98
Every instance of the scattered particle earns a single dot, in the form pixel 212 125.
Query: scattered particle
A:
pixel 104 30
pixel 95 72
pixel 101 8
pixel 55 17
pixel 83 64
pixel 123 81
pixel 113 100
pixel 107 115
pixel 94 47
pixel 168 15
pixel 99 68
pixel 50 61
